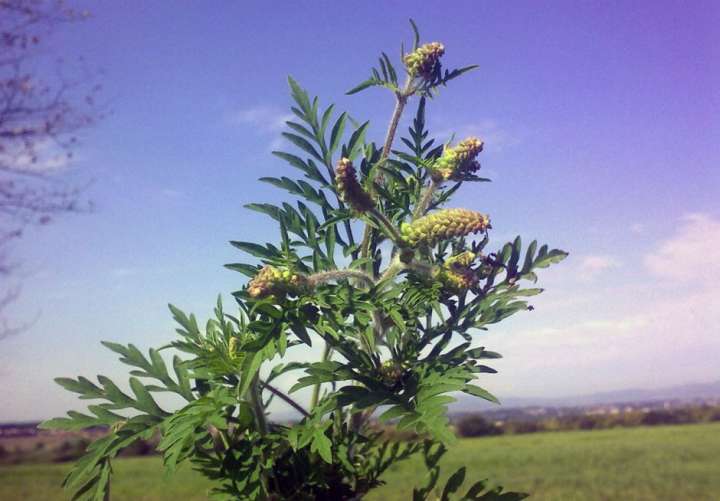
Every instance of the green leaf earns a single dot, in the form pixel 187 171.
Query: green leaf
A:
pixel 303 144
pixel 82 386
pixel 299 95
pixel 370 82
pixel 392 413
pixel 476 391
pixel 322 445
pixel 393 74
pixel 416 34
pixel 254 249
pixel 453 483
pixel 301 332
pixel 552 257
pixel 246 269
pixel 337 132
pixel 356 140
pixel 145 401
pixel 249 368
pixel 529 257
pixel 457 72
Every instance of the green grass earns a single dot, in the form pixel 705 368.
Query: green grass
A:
pixel 663 463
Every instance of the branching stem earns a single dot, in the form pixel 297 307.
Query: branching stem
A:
pixel 401 98
pixel 284 397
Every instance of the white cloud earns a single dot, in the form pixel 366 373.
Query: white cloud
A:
pixel 654 340
pixel 690 254
pixel 591 267
pixel 656 326
pixel 263 118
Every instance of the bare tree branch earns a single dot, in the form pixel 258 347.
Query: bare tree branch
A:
pixel 41 112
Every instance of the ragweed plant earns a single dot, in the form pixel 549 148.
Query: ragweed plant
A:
pixel 372 264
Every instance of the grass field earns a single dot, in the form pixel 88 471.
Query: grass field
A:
pixel 664 463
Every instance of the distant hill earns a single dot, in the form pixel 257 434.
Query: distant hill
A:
pixel 686 392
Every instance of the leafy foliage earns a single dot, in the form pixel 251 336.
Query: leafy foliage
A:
pixel 396 319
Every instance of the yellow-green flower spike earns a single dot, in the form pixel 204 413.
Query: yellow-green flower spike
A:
pixel 456 274
pixel 457 162
pixel 443 225
pixel 423 61
pixel 349 189
pixel 272 281
pixel 457 281
pixel 462 260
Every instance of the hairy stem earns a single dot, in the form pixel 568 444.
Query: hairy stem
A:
pixel 395 267
pixel 400 102
pixel 328 276
pixel 425 200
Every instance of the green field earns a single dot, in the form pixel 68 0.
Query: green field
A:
pixel 663 463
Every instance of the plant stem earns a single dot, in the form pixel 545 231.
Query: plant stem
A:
pixel 326 276
pixel 400 102
pixel 393 268
pixel 257 406
pixel 284 397
pixel 106 497
pixel 394 121
pixel 425 200
pixel 316 389
pixel 387 224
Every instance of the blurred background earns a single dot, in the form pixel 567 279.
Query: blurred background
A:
pixel 132 133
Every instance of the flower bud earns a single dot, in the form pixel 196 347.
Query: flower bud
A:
pixel 233 347
pixel 349 189
pixel 456 274
pixel 391 372
pixel 272 281
pixel 443 225
pixel 424 60
pixel 457 282
pixel 460 261
pixel 456 163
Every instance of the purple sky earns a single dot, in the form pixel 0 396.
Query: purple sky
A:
pixel 602 138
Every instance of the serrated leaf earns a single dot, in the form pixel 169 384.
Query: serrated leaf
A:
pixel 144 400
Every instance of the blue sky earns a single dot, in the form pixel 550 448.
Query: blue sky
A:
pixel 601 132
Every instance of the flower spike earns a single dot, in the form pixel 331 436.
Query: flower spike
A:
pixel 349 189
pixel 272 281
pixel 457 162
pixel 443 225
pixel 456 273
pixel 424 60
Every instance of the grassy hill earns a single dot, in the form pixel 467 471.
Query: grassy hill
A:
pixel 650 463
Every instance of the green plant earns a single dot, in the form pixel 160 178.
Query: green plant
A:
pixel 394 308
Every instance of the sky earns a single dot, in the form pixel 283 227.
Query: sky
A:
pixel 601 130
